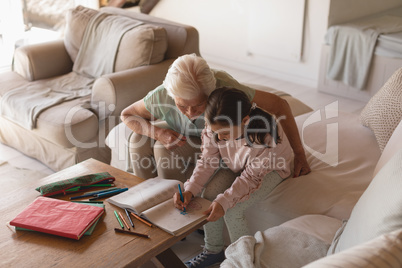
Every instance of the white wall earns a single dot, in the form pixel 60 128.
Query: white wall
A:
pixel 223 28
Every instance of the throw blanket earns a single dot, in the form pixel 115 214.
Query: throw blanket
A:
pixel 96 57
pixel 275 247
pixel 100 44
pixel 23 105
pixel 352 48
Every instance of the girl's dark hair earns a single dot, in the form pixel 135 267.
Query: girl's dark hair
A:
pixel 228 106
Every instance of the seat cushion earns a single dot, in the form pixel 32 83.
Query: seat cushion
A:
pixel 341 170
pixel 68 124
pixel 320 226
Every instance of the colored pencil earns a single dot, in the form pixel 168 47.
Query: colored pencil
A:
pixel 131 232
pixel 124 221
pixel 181 197
pixel 98 185
pixel 118 219
pixel 109 193
pixel 103 191
pixel 92 194
pixel 140 219
pixel 129 218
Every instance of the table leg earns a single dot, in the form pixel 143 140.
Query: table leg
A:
pixel 169 259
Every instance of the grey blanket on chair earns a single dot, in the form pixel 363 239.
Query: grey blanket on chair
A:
pixel 352 48
pixel 97 54
pixel 96 57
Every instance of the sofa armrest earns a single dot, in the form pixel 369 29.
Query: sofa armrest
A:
pixel 112 93
pixel 40 61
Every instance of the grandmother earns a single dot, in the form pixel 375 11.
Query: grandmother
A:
pixel 167 123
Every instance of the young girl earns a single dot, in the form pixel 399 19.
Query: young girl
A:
pixel 245 155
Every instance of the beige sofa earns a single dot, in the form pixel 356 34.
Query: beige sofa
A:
pixel 75 130
pixel 348 211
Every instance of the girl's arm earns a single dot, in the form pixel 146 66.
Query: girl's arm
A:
pixel 206 165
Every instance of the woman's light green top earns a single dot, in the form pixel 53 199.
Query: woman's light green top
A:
pixel 163 107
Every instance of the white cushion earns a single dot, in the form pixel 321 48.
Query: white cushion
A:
pixel 384 251
pixel 378 211
pixel 394 145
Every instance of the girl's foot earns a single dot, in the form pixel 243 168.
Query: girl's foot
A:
pixel 205 259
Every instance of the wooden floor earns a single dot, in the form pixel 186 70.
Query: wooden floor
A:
pixel 192 245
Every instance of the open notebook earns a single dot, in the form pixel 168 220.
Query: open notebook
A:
pixel 153 200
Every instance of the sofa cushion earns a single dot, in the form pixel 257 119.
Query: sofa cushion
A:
pixel 320 226
pixel 142 45
pixel 378 211
pixel 68 124
pixel 77 20
pixel 393 146
pixel 384 110
pixel 341 171
pixel 384 251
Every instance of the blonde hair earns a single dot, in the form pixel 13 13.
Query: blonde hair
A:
pixel 188 77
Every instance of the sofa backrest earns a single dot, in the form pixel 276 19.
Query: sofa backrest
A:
pixel 182 39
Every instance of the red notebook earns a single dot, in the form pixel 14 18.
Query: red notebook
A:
pixel 58 217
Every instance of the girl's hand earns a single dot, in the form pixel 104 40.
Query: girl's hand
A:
pixel 215 211
pixel 187 196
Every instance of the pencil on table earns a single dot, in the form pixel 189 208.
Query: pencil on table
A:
pixel 132 233
pixel 129 218
pixel 118 219
pixel 124 221
pixel 140 219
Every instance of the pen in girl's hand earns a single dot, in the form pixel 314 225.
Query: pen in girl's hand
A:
pixel 181 197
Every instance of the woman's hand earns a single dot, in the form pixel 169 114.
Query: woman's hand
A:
pixel 301 167
pixel 215 211
pixel 187 196
pixel 170 138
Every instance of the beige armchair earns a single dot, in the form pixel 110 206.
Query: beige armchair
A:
pixel 74 130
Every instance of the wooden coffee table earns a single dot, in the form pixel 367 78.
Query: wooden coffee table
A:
pixel 104 248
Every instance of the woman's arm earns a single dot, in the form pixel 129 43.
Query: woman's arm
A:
pixel 138 119
pixel 279 107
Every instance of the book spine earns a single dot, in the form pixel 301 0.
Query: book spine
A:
pixel 42 230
